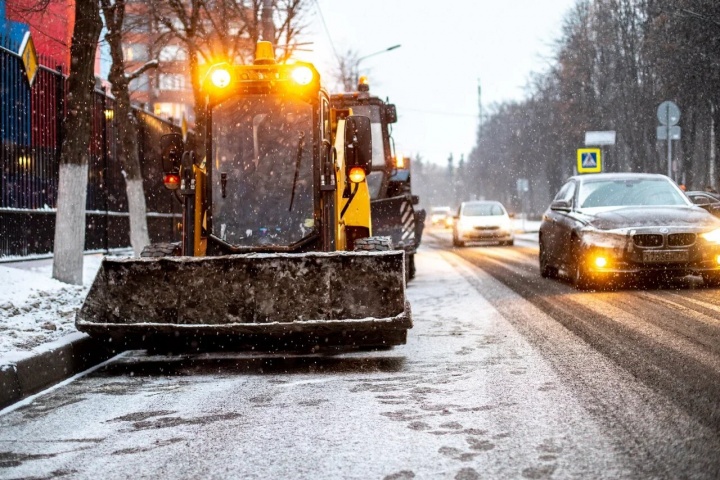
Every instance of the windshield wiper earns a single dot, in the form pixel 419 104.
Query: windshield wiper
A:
pixel 301 143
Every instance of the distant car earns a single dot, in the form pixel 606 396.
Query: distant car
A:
pixel 606 225
pixel 707 200
pixel 482 221
pixel 440 215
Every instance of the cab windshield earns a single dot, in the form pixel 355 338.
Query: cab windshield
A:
pixel 262 171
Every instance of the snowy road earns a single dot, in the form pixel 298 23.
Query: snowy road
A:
pixel 498 380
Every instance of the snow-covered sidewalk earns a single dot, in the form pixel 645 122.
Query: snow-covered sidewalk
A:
pixel 35 309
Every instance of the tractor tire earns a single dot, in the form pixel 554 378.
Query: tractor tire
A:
pixel 157 250
pixel 410 265
pixel 373 244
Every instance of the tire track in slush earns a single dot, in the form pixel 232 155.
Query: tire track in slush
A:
pixel 667 338
pixel 632 342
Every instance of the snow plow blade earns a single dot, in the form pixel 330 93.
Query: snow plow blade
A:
pixel 250 301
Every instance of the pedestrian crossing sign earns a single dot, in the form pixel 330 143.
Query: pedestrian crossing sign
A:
pixel 29 57
pixel 589 160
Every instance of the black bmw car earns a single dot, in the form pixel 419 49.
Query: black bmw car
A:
pixel 608 225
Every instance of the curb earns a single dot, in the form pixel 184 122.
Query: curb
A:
pixel 24 374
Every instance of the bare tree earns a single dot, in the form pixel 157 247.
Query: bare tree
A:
pixel 126 122
pixel 346 72
pixel 72 187
pixel 615 61
pixel 227 30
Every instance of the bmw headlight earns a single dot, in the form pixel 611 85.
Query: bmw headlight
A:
pixel 713 236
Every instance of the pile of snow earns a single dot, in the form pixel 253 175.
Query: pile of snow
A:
pixel 36 309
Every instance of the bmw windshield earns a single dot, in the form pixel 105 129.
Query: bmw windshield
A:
pixel 262 171
pixel 630 193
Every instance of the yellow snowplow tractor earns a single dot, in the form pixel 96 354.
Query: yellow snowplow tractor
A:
pixel 277 249
pixel 394 208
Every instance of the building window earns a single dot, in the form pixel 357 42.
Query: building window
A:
pixel 140 84
pixel 176 23
pixel 171 81
pixel 136 52
pixel 136 23
pixel 172 53
pixel 173 111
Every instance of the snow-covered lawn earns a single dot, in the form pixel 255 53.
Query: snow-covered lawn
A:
pixel 36 309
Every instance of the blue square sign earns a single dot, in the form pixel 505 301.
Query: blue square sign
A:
pixel 589 160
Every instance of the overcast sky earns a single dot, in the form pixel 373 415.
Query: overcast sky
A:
pixel 446 47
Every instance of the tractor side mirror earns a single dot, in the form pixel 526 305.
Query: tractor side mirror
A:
pixel 171 147
pixel 390 114
pixel 358 143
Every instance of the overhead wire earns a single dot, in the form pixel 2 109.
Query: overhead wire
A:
pixel 435 112
pixel 327 31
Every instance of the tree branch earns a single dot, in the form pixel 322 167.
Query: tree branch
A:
pixel 144 68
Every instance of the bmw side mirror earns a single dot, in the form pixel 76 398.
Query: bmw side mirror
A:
pixel 560 206
pixel 414 199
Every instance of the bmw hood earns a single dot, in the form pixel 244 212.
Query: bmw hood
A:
pixel 638 217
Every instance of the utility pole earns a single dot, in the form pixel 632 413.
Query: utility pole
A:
pixel 711 166
pixel 268 27
pixel 480 112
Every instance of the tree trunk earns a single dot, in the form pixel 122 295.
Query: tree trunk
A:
pixel 127 128
pixel 72 187
pixel 130 161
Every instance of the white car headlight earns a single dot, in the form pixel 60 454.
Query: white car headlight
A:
pixel 713 236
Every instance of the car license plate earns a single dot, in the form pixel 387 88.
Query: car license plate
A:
pixel 665 256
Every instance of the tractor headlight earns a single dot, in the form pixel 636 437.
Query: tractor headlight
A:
pixel 302 75
pixel 220 78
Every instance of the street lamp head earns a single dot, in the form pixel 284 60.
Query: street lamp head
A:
pixel 394 47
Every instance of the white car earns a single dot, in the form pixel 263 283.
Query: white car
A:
pixel 441 216
pixel 482 221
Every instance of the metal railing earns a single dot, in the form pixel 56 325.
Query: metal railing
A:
pixel 31 133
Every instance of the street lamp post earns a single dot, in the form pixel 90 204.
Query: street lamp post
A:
pixel 356 70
